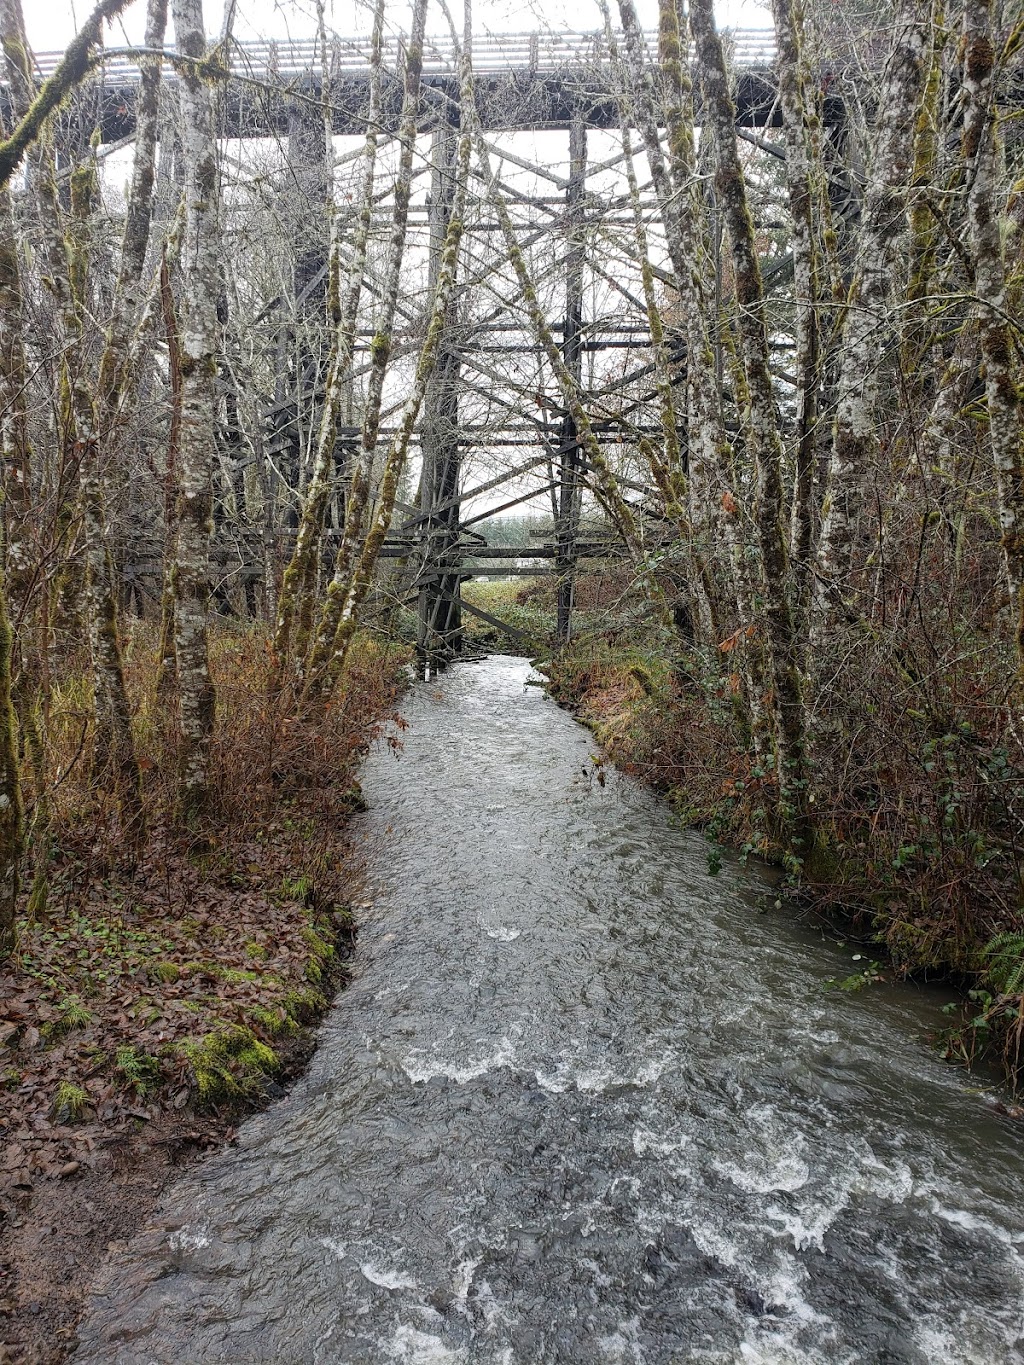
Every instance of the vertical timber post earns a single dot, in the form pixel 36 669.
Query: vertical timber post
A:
pixel 439 632
pixel 568 490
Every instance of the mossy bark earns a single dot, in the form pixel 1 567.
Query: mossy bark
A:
pixel 867 305
pixel 337 604
pixel 200 346
pixel 167 663
pixel 67 247
pixel 295 603
pixel 10 790
pixel 998 346
pixel 761 427
pixel 799 118
pixel 70 72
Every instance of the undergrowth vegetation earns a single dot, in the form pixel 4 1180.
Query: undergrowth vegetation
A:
pixel 180 971
pixel 528 605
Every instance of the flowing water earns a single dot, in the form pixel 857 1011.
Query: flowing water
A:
pixel 584 1103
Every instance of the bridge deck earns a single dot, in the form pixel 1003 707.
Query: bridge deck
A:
pixel 525 81
pixel 539 53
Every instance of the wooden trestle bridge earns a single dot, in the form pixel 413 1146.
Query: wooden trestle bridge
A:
pixel 562 82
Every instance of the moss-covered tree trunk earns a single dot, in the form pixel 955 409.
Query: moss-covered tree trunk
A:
pixel 10 789
pixel 336 605
pixel 760 422
pixel 16 475
pixel 868 306
pixel 71 70
pixel 167 663
pixel 67 249
pixel 126 308
pixel 798 115
pixel 644 105
pixel 295 604
pixel 998 345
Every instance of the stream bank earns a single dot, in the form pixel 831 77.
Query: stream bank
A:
pixel 165 995
pixel 914 859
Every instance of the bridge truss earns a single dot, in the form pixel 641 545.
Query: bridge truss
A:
pixel 493 434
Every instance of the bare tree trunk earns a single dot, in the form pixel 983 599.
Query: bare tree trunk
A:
pixel 199 348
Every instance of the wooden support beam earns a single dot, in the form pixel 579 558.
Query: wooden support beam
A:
pixel 513 631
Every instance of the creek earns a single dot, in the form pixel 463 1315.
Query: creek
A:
pixel 583 1103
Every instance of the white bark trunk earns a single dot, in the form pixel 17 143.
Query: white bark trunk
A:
pixel 197 453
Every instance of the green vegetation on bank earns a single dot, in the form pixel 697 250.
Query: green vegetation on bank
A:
pixel 183 973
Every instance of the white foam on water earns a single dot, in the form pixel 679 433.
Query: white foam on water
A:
pixel 463 1280
pixel 385 1278
pixel 782 1340
pixel 972 1343
pixel 806 1228
pixel 761 1175
pixel 596 1077
pixel 413 1347
pixel 713 1243
pixel 190 1238
pixel 774 1352
pixel 647 1143
pixel 494 1314
pixel 339 1250
pixel 652 1070
pixel 780 1282
pixel 504 935
pixel 425 1066
pixel 894 1182
pixel 810 1216
pixel 621 1347
pixel 975 1222
pixel 555 1083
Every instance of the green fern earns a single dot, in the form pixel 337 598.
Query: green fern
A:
pixel 1006 969
pixel 137 1069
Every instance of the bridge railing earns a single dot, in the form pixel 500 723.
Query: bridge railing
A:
pixel 543 53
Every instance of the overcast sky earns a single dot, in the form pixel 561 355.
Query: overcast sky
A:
pixel 51 23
